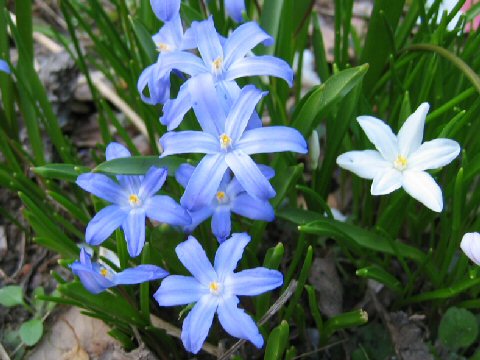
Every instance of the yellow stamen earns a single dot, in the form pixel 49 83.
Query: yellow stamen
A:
pixel 217 64
pixel 225 141
pixel 214 287
pixel 162 47
pixel 133 200
pixel 104 272
pixel 400 162
pixel 220 195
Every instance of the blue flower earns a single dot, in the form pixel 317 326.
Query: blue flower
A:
pixel 97 278
pixel 4 66
pixel 133 199
pixel 228 144
pixel 215 289
pixel 165 10
pixel 225 60
pixel 230 197
pixel 235 9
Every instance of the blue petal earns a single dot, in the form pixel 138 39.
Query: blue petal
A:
pixel 208 42
pixel 260 65
pixel 85 258
pixel 255 281
pixel 241 111
pixel 237 323
pixel 165 10
pixel 130 183
pixel 189 142
pixel 184 173
pixel 171 34
pixel 179 290
pixel 235 9
pixel 272 139
pixel 249 207
pixel 234 188
pixel 189 40
pixel 101 186
pixel 244 39
pixel 249 176
pixel 134 229
pixel 152 182
pixel 206 104
pixel 267 171
pixel 4 66
pixel 158 85
pixel 104 223
pixel 229 254
pixel 193 257
pixel 198 217
pixel 221 223
pixel 184 61
pixel 139 274
pixel 198 322
pixel 164 209
pixel 115 151
pixel 91 280
pixel 174 110
pixel 205 181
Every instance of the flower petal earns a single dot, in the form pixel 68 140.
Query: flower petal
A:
pixel 158 85
pixel 470 245
pixel 229 254
pixel 205 181
pixel 115 151
pixel 248 175
pixel 101 186
pixel 249 207
pixel 4 67
pixel 183 61
pixel 165 10
pixel 179 290
pixel 421 186
pixel 171 34
pixel 139 274
pixel 253 282
pixel 221 223
pixel 104 223
pixel 184 173
pixel 272 139
pixel 410 134
pixel 386 181
pixel 260 65
pixel 434 154
pixel 194 258
pixel 198 322
pixel 152 182
pixel 243 39
pixel 174 110
pixel 380 135
pixel 91 280
pixel 189 142
pixel 198 216
pixel 242 110
pixel 235 9
pixel 164 209
pixel 237 323
pixel 208 42
pixel 134 229
pixel 366 164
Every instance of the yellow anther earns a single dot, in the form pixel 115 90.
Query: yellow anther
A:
pixel 133 200
pixel 225 141
pixel 220 195
pixel 400 162
pixel 162 47
pixel 104 272
pixel 214 287
pixel 217 64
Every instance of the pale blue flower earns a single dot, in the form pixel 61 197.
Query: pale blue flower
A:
pixel 215 289
pixel 228 144
pixel 165 10
pixel 229 198
pixel 96 277
pixel 4 66
pixel 235 9
pixel 133 199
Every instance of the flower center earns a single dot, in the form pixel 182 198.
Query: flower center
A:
pixel 400 163
pixel 214 288
pixel 104 272
pixel 134 200
pixel 217 65
pixel 222 198
pixel 162 47
pixel 225 141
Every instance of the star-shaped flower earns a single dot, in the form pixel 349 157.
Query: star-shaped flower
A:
pixel 133 199
pixel 215 289
pixel 401 160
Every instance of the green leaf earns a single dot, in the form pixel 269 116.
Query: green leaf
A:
pixel 458 328
pixel 277 341
pixel 11 295
pixel 314 104
pixel 375 272
pixel 31 331
pixel 68 172
pixel 139 165
pixel 345 320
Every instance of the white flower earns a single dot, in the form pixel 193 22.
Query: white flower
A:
pixel 401 160
pixel 471 246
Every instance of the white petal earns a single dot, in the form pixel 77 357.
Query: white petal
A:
pixel 380 135
pixel 387 181
pixel 411 133
pixel 365 164
pixel 471 246
pixel 434 154
pixel 421 186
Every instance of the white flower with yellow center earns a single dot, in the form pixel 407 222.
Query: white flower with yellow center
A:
pixel 401 160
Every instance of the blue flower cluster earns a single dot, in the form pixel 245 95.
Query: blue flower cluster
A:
pixel 226 180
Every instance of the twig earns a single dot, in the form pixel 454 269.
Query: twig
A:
pixel 272 311
pixel 3 353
